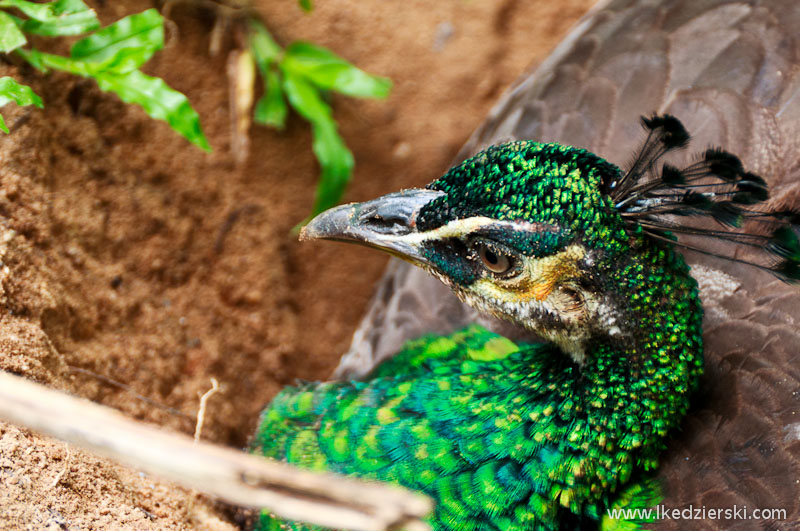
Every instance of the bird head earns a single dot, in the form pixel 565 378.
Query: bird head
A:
pixel 522 231
pixel 558 240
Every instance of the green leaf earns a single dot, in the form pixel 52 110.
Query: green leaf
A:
pixel 337 166
pixel 271 108
pixel 20 94
pixel 306 5
pixel 11 37
pixel 152 94
pixel 265 50
pixel 159 101
pixel 70 17
pixel 329 71
pixel 41 12
pixel 336 161
pixel 127 43
pixel 305 99
pixel 45 61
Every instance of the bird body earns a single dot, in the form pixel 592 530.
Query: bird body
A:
pixel 729 70
pixel 503 437
pixel 555 239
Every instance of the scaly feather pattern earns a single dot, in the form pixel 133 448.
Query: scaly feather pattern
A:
pixel 491 432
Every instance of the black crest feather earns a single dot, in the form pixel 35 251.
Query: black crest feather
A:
pixel 715 187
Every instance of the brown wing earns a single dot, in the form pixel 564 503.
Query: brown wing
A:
pixel 730 71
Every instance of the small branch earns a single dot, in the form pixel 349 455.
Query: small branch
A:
pixel 201 413
pixel 241 84
pixel 249 481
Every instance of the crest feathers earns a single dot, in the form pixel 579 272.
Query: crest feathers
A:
pixel 671 200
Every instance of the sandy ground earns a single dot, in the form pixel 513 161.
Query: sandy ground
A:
pixel 129 255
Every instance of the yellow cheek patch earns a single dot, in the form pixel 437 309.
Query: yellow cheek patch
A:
pixel 540 291
pixel 547 272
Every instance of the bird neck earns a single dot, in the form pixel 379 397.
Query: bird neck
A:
pixel 635 387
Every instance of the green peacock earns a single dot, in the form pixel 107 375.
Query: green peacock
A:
pixel 506 435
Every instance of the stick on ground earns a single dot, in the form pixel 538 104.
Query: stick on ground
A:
pixel 238 478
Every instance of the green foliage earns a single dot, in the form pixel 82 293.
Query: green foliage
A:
pixel 10 91
pixel 10 36
pixel 271 109
pixel 302 74
pixel 334 158
pixel 57 19
pixel 330 72
pixel 129 42
pixel 111 56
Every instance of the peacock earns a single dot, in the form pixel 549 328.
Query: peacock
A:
pixel 509 434
pixel 559 241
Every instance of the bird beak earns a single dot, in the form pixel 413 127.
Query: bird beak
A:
pixel 387 223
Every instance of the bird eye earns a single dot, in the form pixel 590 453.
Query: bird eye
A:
pixel 494 260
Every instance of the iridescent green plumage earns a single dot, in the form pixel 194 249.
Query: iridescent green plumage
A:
pixel 507 436
pixel 500 443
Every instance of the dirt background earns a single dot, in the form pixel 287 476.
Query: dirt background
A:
pixel 128 254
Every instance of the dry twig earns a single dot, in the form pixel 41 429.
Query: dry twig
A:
pixel 230 475
pixel 201 413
